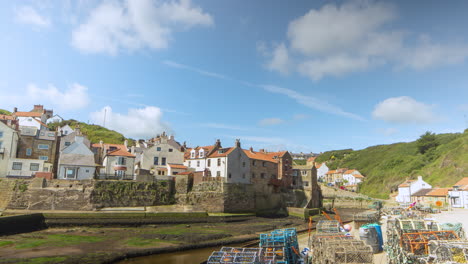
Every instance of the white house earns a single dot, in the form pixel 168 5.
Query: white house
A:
pixel 76 161
pixel 322 169
pixel 232 165
pixel 54 119
pixel 119 163
pixel 164 150
pixel 409 187
pixel 65 130
pixel 8 147
pixel 458 196
pixel 352 177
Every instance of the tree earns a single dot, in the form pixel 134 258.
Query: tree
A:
pixel 426 142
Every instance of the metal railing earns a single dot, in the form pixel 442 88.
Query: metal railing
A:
pixel 20 174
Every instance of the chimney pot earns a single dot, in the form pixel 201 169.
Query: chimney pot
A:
pixel 15 109
pixel 238 144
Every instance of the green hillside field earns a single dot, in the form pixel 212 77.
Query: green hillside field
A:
pixel 386 166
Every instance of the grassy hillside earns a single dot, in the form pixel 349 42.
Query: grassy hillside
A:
pixel 95 133
pixel 4 112
pixel 386 166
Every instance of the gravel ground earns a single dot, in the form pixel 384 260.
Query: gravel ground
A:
pixel 453 216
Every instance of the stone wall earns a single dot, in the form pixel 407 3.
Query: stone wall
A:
pixel 40 194
pixel 6 191
pixel 239 198
pixel 207 195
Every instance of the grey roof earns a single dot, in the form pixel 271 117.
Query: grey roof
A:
pixel 421 192
pixel 77 159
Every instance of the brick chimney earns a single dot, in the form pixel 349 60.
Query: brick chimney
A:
pixel 15 109
pixel 251 149
pixel 238 144
pixel 38 109
pixel 218 143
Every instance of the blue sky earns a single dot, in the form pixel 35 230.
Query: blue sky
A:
pixel 308 76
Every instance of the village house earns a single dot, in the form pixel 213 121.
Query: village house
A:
pixel 8 147
pixel 118 164
pixel 409 187
pixel 420 197
pixel 54 119
pixel 153 157
pixel 263 167
pixel 352 177
pixel 230 165
pixel 438 195
pixel 35 118
pixel 335 177
pixel 76 161
pixel 65 130
pixel 458 195
pixel 175 169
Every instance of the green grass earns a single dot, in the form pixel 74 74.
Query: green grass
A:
pixel 43 260
pixel 141 242
pixel 4 112
pixel 57 240
pixel 5 243
pixel 386 166
pixel 230 214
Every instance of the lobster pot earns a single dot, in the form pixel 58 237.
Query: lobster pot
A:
pixel 369 235
pixel 328 226
pixel 447 251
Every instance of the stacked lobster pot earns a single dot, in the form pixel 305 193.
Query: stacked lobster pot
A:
pixel 329 245
pixel 282 244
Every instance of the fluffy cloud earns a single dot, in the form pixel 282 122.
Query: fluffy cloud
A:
pixel 74 97
pixel 137 123
pixel 280 60
pixel 335 40
pixel 134 24
pixel 403 110
pixel 271 121
pixel 29 15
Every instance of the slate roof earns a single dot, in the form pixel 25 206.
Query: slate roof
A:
pixel 422 192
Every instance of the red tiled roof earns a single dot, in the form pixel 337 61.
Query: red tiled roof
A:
pixel 318 165
pixel 121 152
pixel 28 114
pixel 185 173
pixel 358 176
pixel 279 154
pixel 225 151
pixel 406 183
pixel 7 117
pixel 119 146
pixel 259 156
pixel 40 122
pixel 331 172
pixel 349 171
pixel 177 166
pixel 311 159
pixel 207 149
pixel 439 192
pixel 462 182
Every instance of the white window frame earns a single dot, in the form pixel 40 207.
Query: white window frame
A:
pixel 121 161
pixel 43 146
pixel 37 165
pixel 75 173
pixel 16 164
pixel 28 151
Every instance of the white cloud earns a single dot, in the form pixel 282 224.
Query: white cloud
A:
pixel 114 26
pixel 280 60
pixel 29 15
pixel 403 110
pixel 355 36
pixel 75 97
pixel 311 102
pixel 271 121
pixel 137 123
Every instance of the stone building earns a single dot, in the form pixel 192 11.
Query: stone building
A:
pixel 305 177
pixel 38 145
pixel 263 167
pixel 159 152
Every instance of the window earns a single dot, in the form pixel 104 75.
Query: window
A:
pixel 218 174
pixel 243 164
pixel 163 161
pixel 43 158
pixel 306 183
pixel 42 133
pixel 253 162
pixel 170 150
pixel 209 163
pixel 1 134
pixel 51 134
pixel 262 175
pixel 17 166
pixel 70 173
pixel 192 154
pixel 67 143
pixel 158 149
pixel 121 161
pixel 65 132
pixel 201 153
pixel 229 175
pixel 219 162
pixel 304 173
pixel 264 164
pixel 243 175
pixel 156 161
pixel 198 163
pixel 190 164
pixel 34 167
pixel 1 143
pixel 43 146
pixel 46 169
pixel 253 175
